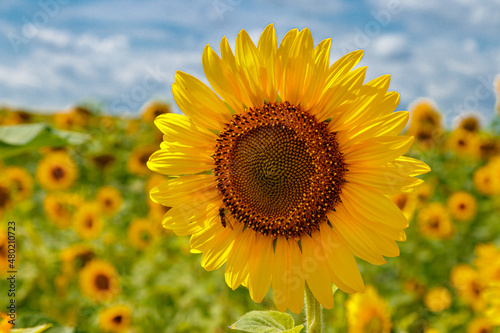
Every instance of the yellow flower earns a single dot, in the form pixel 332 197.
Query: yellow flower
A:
pixel 141 233
pixel 483 180
pixel 4 253
pixel 425 122
pixel 485 255
pixel 469 285
pixel 22 181
pixel 492 298
pixel 438 299
pixel 368 312
pixel 60 207
pixel 15 117
pixel 425 192
pixel 462 206
pixel 407 202
pixel 116 318
pixel 488 147
pixel 99 281
pixel 56 171
pixel 153 109
pixel 109 200
pixel 137 160
pixel 285 166
pixel 6 199
pixel 480 325
pixel 5 325
pixel 464 142
pixel 434 222
pixel 88 222
pixel 494 168
pixel 470 122
pixel 75 257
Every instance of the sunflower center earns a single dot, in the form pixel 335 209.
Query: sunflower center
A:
pixel 102 282
pixel 4 196
pixel 58 173
pixel 279 169
pixel 117 319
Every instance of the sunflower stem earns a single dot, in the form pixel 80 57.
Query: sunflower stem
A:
pixel 313 313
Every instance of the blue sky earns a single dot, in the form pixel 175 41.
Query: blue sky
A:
pixel 122 53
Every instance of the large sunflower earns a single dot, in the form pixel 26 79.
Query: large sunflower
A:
pixel 283 170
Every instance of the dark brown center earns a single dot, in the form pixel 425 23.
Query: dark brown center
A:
pixel 4 196
pixel 279 169
pixel 117 319
pixel 58 172
pixel 102 282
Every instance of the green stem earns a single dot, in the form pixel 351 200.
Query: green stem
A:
pixel 313 313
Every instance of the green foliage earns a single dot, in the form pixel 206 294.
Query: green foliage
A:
pixel 266 322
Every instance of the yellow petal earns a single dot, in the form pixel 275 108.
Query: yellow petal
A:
pixel 378 150
pixel 179 161
pixel 337 92
pixel 199 102
pixel 298 68
pixel 268 49
pixel 181 130
pixel 317 277
pixel 238 261
pixel 340 260
pixel 223 80
pixel 261 268
pixel 344 65
pixel 252 72
pixel 282 273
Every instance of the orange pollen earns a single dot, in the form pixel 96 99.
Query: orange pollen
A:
pixel 279 170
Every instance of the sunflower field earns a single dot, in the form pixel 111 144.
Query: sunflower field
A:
pixel 91 254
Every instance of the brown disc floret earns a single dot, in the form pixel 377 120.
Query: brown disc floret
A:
pixel 278 169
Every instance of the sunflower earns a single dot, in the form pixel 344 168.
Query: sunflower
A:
pixel 492 299
pixel 60 207
pixel 99 281
pixel 22 181
pixel 142 233
pixel 470 122
pixel 56 171
pixel 109 200
pixel 425 123
pixel 469 285
pixel 483 179
pixel 406 202
pixel 116 318
pixel 464 142
pixel 87 221
pixel 75 257
pixel 137 160
pixel 434 222
pixel 4 253
pixel 438 299
pixel 5 325
pixel 285 176
pixel 462 206
pixel 425 192
pixel 480 325
pixel 368 312
pixel 6 199
pixel 153 109
pixel 488 147
pixel 494 169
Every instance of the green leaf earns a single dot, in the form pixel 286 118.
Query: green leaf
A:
pixel 266 322
pixel 36 329
pixel 18 139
